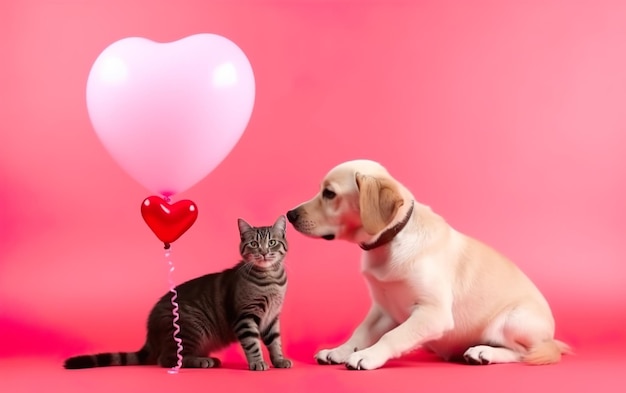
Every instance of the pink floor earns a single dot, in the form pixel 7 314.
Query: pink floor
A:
pixel 590 370
pixel 507 117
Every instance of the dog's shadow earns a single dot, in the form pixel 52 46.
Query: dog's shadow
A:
pixel 412 360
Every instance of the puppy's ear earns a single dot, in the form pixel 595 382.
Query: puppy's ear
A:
pixel 379 200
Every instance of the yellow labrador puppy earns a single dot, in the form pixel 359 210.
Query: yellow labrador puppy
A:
pixel 431 286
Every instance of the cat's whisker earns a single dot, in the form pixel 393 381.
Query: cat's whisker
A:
pixel 287 267
pixel 242 267
pixel 245 268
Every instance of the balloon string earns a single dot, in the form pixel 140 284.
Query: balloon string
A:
pixel 179 342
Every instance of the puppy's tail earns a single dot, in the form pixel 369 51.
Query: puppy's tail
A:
pixel 546 352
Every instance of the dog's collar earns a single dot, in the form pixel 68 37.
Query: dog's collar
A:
pixel 390 233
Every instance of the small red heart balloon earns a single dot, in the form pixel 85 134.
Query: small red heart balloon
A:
pixel 168 221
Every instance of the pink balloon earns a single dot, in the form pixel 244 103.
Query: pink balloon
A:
pixel 169 113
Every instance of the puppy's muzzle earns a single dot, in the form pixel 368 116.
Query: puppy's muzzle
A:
pixel 303 225
pixel 293 215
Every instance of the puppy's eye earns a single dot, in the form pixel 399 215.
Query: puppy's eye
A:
pixel 254 244
pixel 272 243
pixel 328 194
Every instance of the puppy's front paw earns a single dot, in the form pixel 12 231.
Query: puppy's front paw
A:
pixel 337 355
pixel 367 359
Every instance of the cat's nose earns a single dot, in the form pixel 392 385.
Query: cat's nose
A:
pixel 292 215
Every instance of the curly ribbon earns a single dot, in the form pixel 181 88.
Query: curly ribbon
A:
pixel 179 342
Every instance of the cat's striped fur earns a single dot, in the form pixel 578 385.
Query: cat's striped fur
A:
pixel 242 304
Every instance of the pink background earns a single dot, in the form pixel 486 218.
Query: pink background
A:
pixel 506 117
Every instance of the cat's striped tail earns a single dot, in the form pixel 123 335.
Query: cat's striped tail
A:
pixel 108 359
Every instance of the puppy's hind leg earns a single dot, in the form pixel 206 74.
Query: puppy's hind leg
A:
pixel 499 342
pixel 523 334
pixel 485 354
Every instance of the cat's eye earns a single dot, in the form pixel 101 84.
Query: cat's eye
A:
pixel 254 244
pixel 328 194
pixel 272 243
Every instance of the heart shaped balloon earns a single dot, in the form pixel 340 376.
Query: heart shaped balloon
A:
pixel 169 113
pixel 168 221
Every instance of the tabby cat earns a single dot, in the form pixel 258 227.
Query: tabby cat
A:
pixel 242 304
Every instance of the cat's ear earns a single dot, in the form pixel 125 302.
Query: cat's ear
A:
pixel 243 226
pixel 280 224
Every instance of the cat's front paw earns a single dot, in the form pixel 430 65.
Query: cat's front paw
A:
pixel 282 363
pixel 258 366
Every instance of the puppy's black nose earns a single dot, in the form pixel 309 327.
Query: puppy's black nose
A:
pixel 292 215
